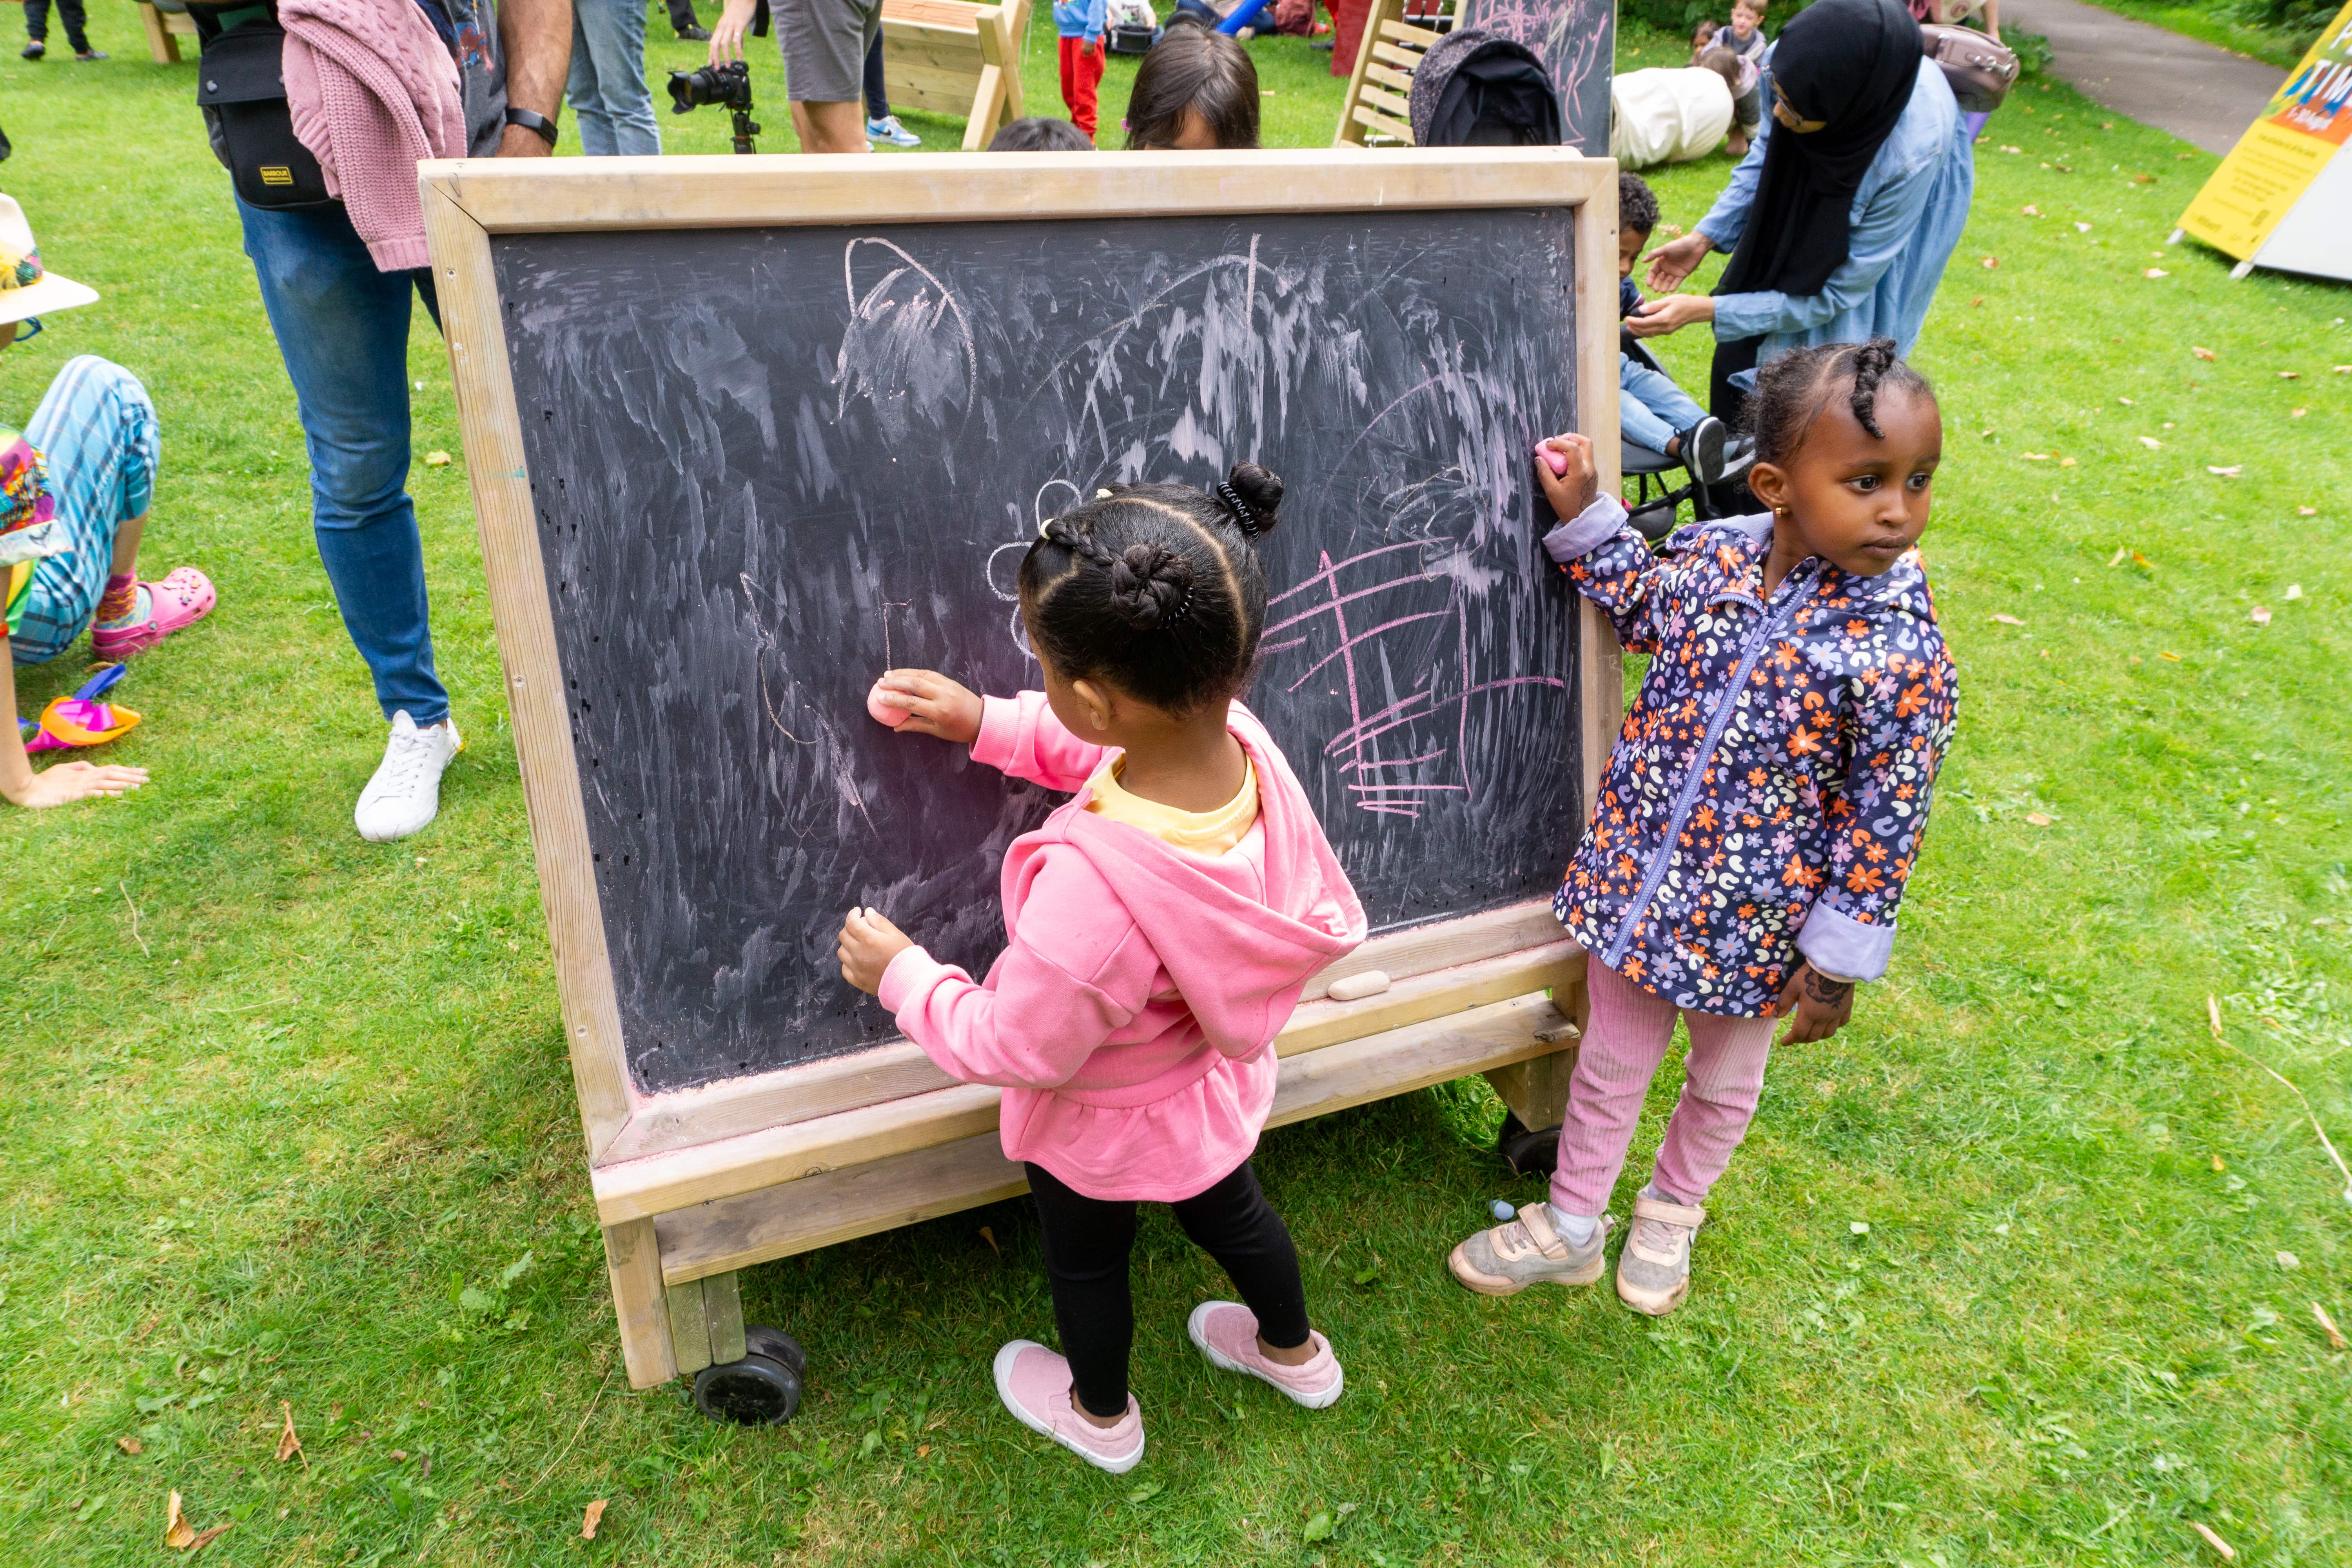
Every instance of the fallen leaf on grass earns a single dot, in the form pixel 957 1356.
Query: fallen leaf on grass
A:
pixel 2119 557
pixel 2007 620
pixel 2127 403
pixel 2294 591
pixel 2081 228
pixel 2290 375
pixel 1146 1492
pixel 2341 369
pixel 1992 261
pixel 2032 211
pixel 180 1535
pixel 2297 412
pixel 2151 443
pixel 2139 560
pixel 2167 653
pixel 2260 615
pixel 130 1445
pixel 2287 1260
pixel 2142 179
pixel 989 1236
pixel 1319 1527
pixel 2064 168
pixel 2306 511
pixel 2219 1164
pixel 591 1518
pixel 2229 1553
pixel 2066 462
pixel 2037 819
pixel 289 1444
pixel 2155 272
pixel 2012 149
pixel 2036 456
pixel 2201 353
pixel 436 460
pixel 2235 472
pixel 2327 1326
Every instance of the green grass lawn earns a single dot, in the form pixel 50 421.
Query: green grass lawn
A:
pixel 288 1122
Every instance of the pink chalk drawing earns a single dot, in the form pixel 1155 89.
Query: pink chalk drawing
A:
pixel 1394 752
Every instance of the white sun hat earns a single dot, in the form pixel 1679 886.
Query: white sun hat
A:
pixel 27 288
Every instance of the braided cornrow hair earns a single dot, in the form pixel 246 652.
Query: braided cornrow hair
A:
pixel 1792 391
pixel 1155 589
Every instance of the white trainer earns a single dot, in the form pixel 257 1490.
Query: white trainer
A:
pixel 404 796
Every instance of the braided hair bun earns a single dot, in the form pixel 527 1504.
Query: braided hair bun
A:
pixel 1156 589
pixel 1148 585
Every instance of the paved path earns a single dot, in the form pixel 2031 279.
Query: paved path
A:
pixel 2200 94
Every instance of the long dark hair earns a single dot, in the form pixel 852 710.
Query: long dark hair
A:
pixel 1793 390
pixel 1206 72
pixel 1156 589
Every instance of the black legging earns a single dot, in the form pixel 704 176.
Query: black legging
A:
pixel 70 12
pixel 1086 1244
pixel 878 92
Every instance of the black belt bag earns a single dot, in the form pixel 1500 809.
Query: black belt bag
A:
pixel 241 84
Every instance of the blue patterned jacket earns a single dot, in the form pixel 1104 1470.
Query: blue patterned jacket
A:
pixel 1768 793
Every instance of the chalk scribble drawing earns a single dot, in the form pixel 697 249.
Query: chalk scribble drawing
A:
pixel 907 349
pixel 1385 731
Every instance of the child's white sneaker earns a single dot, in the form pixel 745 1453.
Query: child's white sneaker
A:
pixel 1654 1271
pixel 1507 1258
pixel 1034 1385
pixel 404 795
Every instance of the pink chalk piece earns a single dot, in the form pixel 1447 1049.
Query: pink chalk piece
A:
pixel 883 711
pixel 1557 462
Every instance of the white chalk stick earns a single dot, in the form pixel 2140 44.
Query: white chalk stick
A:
pixel 1355 988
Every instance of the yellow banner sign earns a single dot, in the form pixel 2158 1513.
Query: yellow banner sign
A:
pixel 2275 162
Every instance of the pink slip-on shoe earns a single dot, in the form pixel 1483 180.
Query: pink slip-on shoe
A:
pixel 179 601
pixel 1226 1332
pixel 1034 1385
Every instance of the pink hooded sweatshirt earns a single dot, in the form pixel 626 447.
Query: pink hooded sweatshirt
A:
pixel 1131 1020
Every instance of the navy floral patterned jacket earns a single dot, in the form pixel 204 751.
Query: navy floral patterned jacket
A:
pixel 1767 796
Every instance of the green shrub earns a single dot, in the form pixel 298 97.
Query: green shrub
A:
pixel 2031 49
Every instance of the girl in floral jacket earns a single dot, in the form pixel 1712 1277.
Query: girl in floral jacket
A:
pixel 1764 803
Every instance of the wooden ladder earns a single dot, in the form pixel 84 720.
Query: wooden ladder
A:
pixel 1379 105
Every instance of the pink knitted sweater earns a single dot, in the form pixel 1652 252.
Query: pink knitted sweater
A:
pixel 373 90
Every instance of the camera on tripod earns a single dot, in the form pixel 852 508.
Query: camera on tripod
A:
pixel 730 84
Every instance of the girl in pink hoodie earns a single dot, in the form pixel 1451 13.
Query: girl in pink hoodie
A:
pixel 1162 926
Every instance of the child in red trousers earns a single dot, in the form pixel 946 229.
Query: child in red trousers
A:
pixel 1080 24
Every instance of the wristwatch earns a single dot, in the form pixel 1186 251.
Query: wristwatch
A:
pixel 538 123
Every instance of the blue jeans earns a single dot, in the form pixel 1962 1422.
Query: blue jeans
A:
pixel 342 328
pixel 610 100
pixel 1651 409
pixel 97 428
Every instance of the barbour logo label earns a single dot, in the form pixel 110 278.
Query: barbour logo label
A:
pixel 277 174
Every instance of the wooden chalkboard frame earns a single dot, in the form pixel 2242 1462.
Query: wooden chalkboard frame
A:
pixel 693 1185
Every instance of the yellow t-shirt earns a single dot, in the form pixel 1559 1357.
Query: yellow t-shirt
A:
pixel 1209 833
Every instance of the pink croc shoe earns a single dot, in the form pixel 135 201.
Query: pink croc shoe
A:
pixel 1226 1332
pixel 1034 1385
pixel 179 601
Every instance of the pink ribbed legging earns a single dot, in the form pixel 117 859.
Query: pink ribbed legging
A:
pixel 1620 1052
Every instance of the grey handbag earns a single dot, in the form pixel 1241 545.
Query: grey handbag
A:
pixel 1980 69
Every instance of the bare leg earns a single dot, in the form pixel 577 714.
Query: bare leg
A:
pixel 830 127
pixel 126 545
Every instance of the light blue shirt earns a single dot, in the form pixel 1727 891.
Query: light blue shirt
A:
pixel 1081 19
pixel 1907 217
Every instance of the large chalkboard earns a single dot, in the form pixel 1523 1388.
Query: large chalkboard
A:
pixel 767 464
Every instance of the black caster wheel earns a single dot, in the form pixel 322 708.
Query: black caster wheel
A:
pixel 764 1389
pixel 1529 1154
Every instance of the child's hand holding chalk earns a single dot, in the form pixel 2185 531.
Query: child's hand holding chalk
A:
pixel 1565 469
pixel 924 702
pixel 868 942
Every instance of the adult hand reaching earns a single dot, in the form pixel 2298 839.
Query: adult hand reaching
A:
pixel 1677 259
pixel 727 34
pixel 1671 314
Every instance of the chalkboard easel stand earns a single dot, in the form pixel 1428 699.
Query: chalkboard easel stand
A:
pixel 693 1185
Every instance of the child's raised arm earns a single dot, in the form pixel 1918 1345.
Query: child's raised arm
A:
pixel 1608 563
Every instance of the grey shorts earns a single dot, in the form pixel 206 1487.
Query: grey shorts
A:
pixel 824 44
pixel 1748 109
